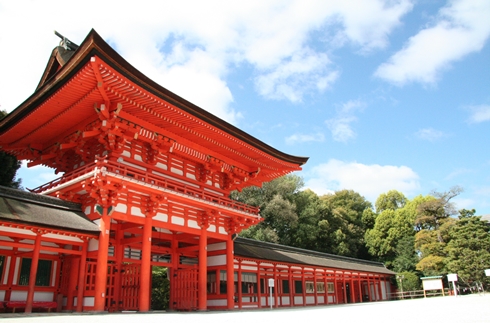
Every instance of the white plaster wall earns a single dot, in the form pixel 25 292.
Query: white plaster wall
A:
pixel 285 300
pixel 161 217
pixel 178 220
pixel 18 295
pixel 136 211
pixel 88 301
pixel 217 246
pixel 217 260
pixel 217 302
pixel 93 244
pixel 43 296
pixel 310 299
pixel 2 295
pixel 321 299
pixel 298 300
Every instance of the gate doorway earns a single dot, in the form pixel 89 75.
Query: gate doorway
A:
pixel 184 289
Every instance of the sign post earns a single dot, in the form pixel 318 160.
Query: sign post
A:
pixel 453 278
pixel 271 284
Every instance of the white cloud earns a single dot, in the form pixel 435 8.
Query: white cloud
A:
pixel 191 47
pixel 430 134
pixel 301 138
pixel 368 180
pixel 479 113
pixel 461 28
pixel 340 126
pixel 302 72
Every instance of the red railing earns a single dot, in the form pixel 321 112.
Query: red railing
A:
pixel 128 173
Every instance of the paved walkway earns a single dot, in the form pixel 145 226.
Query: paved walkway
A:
pixel 449 309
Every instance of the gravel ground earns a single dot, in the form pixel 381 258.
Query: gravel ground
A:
pixel 449 309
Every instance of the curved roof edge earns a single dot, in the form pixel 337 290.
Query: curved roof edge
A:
pixel 92 45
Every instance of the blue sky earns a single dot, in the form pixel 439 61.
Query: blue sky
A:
pixel 380 95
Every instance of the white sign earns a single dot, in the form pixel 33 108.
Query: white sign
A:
pixel 271 282
pixel 431 284
pixel 487 272
pixel 452 277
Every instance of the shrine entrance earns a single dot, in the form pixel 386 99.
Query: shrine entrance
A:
pixel 184 289
pixel 130 284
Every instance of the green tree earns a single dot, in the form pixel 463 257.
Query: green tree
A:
pixel 409 282
pixel 160 288
pixel 392 200
pixel 276 200
pixel 10 165
pixel 388 239
pixel 468 251
pixel 342 225
pixel 433 223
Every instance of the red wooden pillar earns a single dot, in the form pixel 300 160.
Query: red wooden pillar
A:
pixel 175 259
pixel 203 267
pixel 343 287
pixel 72 284
pixel 360 287
pixel 81 276
pixel 11 270
pixel 239 283
pixel 369 288
pixel 352 289
pixel 276 284
pixel 304 285
pixel 291 286
pixel 145 274
pixel 314 287
pixel 379 289
pixel 335 287
pixel 119 253
pixel 325 291
pixel 230 274
pixel 259 294
pixel 102 256
pixel 32 274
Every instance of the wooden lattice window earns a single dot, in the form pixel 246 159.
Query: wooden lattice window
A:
pixel 43 275
pixel 285 286
pixel 298 286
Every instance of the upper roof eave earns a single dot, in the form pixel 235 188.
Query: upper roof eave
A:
pixel 94 45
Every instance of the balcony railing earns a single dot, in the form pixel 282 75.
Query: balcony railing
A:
pixel 133 174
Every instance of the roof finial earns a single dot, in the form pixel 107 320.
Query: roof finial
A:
pixel 65 42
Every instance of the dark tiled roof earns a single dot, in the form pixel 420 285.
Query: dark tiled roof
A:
pixel 273 252
pixel 45 211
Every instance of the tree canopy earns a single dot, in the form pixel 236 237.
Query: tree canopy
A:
pixel 9 166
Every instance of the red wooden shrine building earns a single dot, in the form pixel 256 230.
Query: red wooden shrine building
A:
pixel 145 178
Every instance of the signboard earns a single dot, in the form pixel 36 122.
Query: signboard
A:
pixel 452 277
pixel 431 284
pixel 271 282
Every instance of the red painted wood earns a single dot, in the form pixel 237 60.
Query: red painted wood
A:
pixel 145 280
pixel 81 277
pixel 32 275
pixel 203 269
pixel 101 269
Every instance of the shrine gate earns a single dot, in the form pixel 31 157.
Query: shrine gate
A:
pixel 154 173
